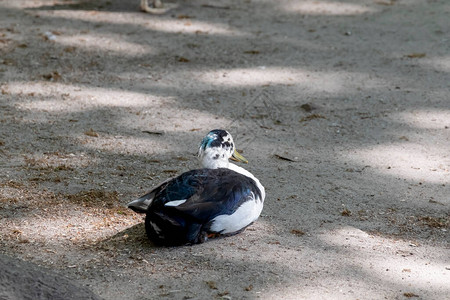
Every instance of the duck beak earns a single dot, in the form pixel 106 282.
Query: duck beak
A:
pixel 237 157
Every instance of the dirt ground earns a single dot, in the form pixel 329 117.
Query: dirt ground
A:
pixel 341 107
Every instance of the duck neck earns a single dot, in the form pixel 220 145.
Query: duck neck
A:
pixel 210 163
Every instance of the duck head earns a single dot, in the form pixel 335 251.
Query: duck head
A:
pixel 216 148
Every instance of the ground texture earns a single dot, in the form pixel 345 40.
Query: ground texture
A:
pixel 341 107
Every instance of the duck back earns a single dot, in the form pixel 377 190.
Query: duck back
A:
pixel 188 208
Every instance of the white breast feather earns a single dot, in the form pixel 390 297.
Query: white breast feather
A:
pixel 247 213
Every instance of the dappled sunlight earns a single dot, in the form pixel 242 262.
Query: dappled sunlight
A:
pixel 344 261
pixel 66 98
pixel 81 226
pixel 374 257
pixel 425 119
pixel 328 8
pixel 417 156
pixel 412 158
pixel 325 287
pixel 332 82
pixel 53 161
pixel 440 63
pixel 111 44
pixel 420 155
pixel 157 112
pixel 343 119
pixel 129 145
pixel 408 160
pixel 32 215
pixel 139 112
pixel 192 26
pixel 175 25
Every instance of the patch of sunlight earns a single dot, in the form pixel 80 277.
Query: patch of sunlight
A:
pixel 190 125
pixel 93 42
pixel 192 27
pixel 79 226
pixel 273 75
pixel 375 257
pixel 180 120
pixel 347 254
pixel 314 81
pixel 65 98
pixel 172 25
pixel 129 145
pixel 318 285
pixel 328 8
pixel 407 160
pixel 426 119
pixel 438 63
pixel 60 160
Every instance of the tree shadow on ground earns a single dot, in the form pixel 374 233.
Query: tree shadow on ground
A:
pixel 181 75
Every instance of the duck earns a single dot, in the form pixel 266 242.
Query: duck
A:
pixel 218 200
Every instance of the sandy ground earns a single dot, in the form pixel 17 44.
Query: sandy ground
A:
pixel 341 106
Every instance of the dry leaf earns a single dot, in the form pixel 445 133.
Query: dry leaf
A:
pixel 182 59
pixel 222 294
pixel 9 62
pixel 184 17
pixel 297 232
pixel 416 55
pixel 54 76
pixel 70 49
pixel 212 285
pixel 346 213
pixel 91 132
pixel 312 117
pixel 251 52
pixel 410 295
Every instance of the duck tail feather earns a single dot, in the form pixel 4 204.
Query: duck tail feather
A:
pixel 141 205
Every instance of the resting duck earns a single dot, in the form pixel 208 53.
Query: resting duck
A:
pixel 220 199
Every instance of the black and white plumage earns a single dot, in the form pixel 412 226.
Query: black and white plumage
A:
pixel 220 199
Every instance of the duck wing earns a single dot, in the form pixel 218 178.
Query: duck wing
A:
pixel 199 195
pixel 208 193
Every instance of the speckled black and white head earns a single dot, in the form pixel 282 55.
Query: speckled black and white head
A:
pixel 216 148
